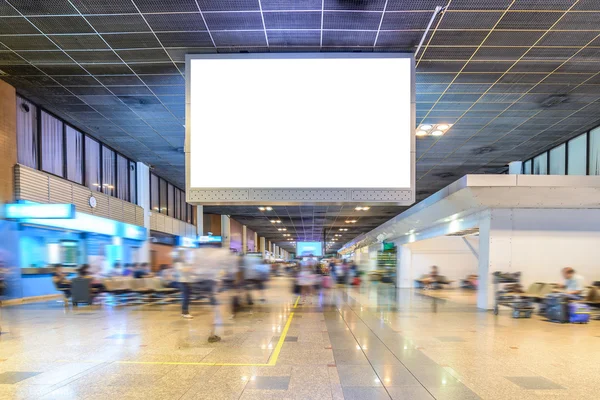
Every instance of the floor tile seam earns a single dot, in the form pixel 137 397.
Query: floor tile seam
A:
pixel 78 376
pixel 387 347
pixel 370 364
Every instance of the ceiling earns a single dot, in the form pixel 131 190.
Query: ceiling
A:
pixel 115 68
pixel 308 223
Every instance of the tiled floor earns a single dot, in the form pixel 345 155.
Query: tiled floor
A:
pixel 368 343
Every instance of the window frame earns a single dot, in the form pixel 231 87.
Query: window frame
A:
pixel 38 136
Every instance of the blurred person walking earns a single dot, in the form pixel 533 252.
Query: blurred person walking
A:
pixel 184 273
pixel 213 264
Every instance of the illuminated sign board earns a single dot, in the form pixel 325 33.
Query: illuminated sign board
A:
pixel 186 242
pixel 34 210
pixel 361 105
pixel 210 239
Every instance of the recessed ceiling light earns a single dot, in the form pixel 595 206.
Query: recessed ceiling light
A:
pixel 426 127
pixel 437 133
pixel 351 221
pixel 421 133
pixel 269 208
pixel 273 221
pixel 261 209
pixel 443 127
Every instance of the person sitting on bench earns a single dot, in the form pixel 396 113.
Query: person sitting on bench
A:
pixel 573 285
pixel 59 278
pixel 433 280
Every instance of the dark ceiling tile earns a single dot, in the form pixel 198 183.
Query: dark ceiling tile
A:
pixel 294 38
pixel 54 7
pixel 130 90
pixel 79 42
pixel 71 69
pixel 232 21
pixel 292 20
pixel 345 38
pixel 61 25
pixel 118 23
pixel 37 57
pixel 365 5
pixel 160 6
pixel 108 69
pixel 176 22
pixel 253 38
pixel 95 56
pixel 104 6
pixel 16 25
pixel 291 5
pixel 151 55
pixel 185 39
pixel 229 5
pixel 351 20
pixel 131 40
pixel 33 42
pixel 120 80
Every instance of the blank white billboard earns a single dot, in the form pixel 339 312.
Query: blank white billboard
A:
pixel 300 121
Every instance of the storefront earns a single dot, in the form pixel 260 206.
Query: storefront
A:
pixel 71 239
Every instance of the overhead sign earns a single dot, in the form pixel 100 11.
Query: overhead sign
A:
pixel 34 210
pixel 360 105
pixel 186 242
pixel 210 239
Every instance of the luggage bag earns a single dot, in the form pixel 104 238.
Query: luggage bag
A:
pixel 579 313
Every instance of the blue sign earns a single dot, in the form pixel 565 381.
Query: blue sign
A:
pixel 34 210
pixel 183 241
pixel 134 232
pixel 210 239
pixel 92 224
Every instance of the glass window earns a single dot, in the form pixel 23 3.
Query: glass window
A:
pixel 190 214
pixel 527 167
pixel 594 152
pixel 540 164
pixel 576 155
pixel 92 163
pixel 122 178
pixel 154 204
pixel 132 182
pixel 108 171
pixel 74 154
pixel 183 206
pixel 163 196
pixel 558 160
pixel 171 194
pixel 177 204
pixel 27 141
pixel 52 144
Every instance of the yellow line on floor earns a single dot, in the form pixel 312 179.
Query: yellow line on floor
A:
pixel 272 359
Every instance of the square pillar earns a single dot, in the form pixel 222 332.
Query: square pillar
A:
pixel 143 200
pixel 225 231
pixel 244 239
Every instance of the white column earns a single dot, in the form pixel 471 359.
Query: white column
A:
pixel 404 278
pixel 143 200
pixel 200 220
pixel 256 242
pixel 261 246
pixel 244 239
pixel 225 231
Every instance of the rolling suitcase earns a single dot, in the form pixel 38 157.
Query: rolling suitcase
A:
pixel 579 313
pixel 557 308
pixel 327 281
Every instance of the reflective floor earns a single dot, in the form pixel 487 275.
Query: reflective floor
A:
pixel 367 343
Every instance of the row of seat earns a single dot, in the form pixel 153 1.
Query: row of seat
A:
pixel 144 289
